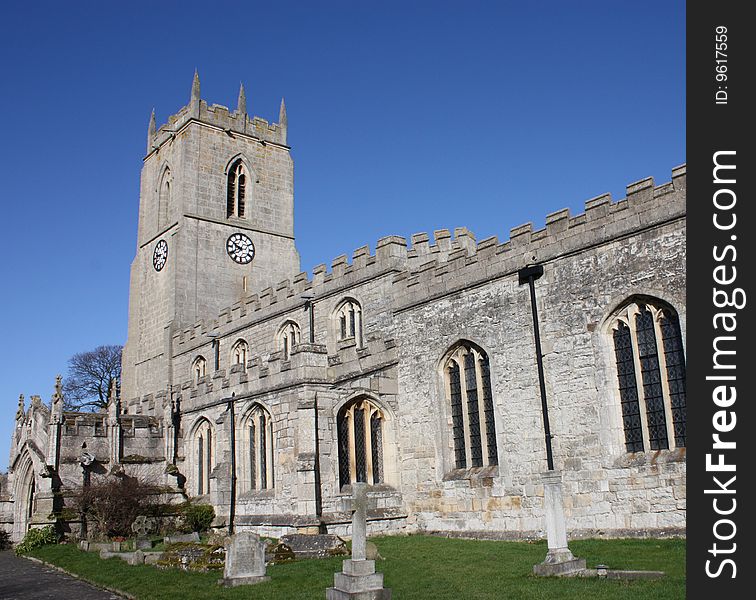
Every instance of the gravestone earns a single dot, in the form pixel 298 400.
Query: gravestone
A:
pixel 358 579
pixel 278 553
pixel 182 538
pixel 314 546
pixel 245 560
pixel 142 525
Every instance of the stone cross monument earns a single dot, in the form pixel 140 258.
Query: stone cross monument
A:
pixel 358 579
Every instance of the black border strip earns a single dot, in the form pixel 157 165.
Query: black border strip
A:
pixel 719 120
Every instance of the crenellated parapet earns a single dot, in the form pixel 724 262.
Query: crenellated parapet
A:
pixel 221 117
pixel 261 374
pixel 644 206
pixel 429 267
pixel 272 302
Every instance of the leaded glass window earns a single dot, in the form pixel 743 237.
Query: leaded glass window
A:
pixel 253 451
pixel 470 399
pixel 376 447
pixel 650 362
pixel 288 337
pixel 345 456
pixel 240 353
pixel 259 431
pixel 628 388
pixel 458 428
pixel 349 321
pixel 203 457
pixel 473 412
pixel 199 368
pixel 360 443
pixel 485 375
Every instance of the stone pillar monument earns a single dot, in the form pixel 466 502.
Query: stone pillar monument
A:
pixel 559 560
pixel 358 579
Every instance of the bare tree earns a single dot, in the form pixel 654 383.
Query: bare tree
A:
pixel 90 375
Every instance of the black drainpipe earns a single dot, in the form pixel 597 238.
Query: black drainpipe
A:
pixel 529 275
pixel 232 508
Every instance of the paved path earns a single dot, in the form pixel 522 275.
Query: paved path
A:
pixel 23 579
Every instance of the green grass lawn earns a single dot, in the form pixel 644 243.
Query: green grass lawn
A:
pixel 415 568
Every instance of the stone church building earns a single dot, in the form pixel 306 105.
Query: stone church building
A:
pixel 266 393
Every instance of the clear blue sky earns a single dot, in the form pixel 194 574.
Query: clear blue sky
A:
pixel 403 117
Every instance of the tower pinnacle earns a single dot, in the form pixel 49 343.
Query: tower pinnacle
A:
pixel 283 120
pixel 194 102
pixel 151 131
pixel 241 105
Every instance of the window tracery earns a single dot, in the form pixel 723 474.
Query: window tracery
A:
pixel 360 426
pixel 467 377
pixel 236 190
pixel 650 363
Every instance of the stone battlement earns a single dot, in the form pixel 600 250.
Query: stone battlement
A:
pixel 645 205
pixel 390 256
pixel 232 122
pixel 440 263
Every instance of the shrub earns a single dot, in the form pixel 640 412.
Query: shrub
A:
pixel 36 538
pixel 5 541
pixel 113 503
pixel 197 517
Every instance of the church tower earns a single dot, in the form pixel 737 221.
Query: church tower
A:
pixel 216 223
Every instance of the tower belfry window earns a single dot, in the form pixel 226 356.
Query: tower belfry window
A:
pixel 164 198
pixel 236 190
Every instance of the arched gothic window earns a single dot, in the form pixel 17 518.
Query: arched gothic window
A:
pixel 349 321
pixel 236 190
pixel 360 438
pixel 203 451
pixel 164 198
pixel 288 337
pixel 199 369
pixel 650 362
pixel 259 437
pixel 240 353
pixel 467 377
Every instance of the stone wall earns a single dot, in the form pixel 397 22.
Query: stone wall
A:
pixel 586 278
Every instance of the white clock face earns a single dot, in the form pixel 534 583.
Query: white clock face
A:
pixel 160 255
pixel 240 248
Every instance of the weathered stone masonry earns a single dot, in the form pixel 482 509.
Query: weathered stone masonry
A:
pixel 377 374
